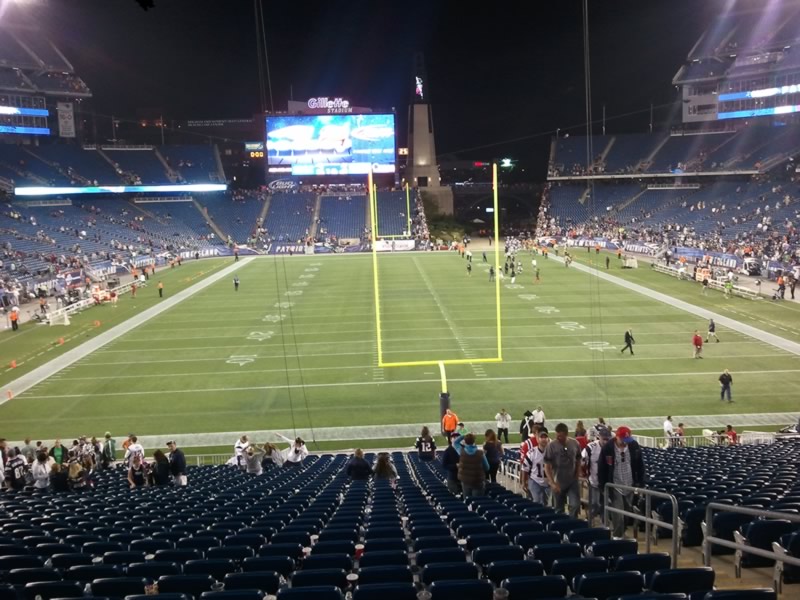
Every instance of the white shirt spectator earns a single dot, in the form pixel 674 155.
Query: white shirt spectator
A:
pixel 41 474
pixel 538 416
pixel 591 456
pixel 533 463
pixel 133 449
pixel 669 430
pixel 503 420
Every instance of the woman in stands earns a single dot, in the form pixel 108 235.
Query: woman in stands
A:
pixel 41 471
pixel 384 469
pixel 357 467
pixel 493 450
pixel 137 473
pixel 59 481
pixel 425 445
pixel 272 457
pixel 159 470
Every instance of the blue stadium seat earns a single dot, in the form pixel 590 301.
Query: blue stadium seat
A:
pixel 88 573
pixel 383 558
pixel 584 537
pixel 216 567
pixel 317 577
pixel 530 540
pixel 570 568
pixel 7 592
pixel 152 569
pixel 499 570
pixel 252 594
pixel 293 550
pixel 161 596
pixel 514 528
pixel 611 549
pixel 644 563
pixel 385 591
pixel 267 581
pixel 483 555
pixel 328 561
pixel 193 585
pixel 28 575
pixel 605 585
pixel 444 541
pixel 47 590
pixel 252 540
pixel 760 534
pixel 382 544
pixel 437 555
pixel 547 553
pixel 388 574
pixel 487 539
pixel 683 581
pixel 461 590
pixel 335 547
pixel 535 588
pixel 118 587
pixel 26 561
pixel 235 553
pixel 283 565
pixel 449 571
pixel 151 545
pixel 320 592
pixel 564 526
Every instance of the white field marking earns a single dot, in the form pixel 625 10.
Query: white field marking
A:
pixel 749 330
pixel 79 353
pixel 89 363
pixel 404 340
pixel 307 324
pixel 367 367
pixel 403 382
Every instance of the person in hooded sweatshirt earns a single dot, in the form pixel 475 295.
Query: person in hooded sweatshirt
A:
pixel 472 466
pixel 252 460
pixel 450 463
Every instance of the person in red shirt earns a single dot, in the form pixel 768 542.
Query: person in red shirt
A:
pixel 449 422
pixel 733 437
pixel 697 342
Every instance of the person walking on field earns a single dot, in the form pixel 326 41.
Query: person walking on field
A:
pixel 697 343
pixel 712 330
pixel 629 342
pixel 160 290
pixel 236 283
pixel 725 381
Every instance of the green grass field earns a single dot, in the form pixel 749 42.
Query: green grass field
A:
pixel 296 348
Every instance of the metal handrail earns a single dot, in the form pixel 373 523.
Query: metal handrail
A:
pixel 709 538
pixel 646 518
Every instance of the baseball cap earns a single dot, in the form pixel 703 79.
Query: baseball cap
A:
pixel 605 434
pixel 624 433
pixel 169 443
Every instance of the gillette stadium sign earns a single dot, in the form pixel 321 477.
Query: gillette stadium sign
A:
pixel 331 105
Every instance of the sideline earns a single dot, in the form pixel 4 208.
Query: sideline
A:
pixel 39 374
pixel 758 334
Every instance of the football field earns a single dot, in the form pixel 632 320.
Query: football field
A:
pixel 296 348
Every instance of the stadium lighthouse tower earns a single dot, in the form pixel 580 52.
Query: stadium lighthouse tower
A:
pixel 423 169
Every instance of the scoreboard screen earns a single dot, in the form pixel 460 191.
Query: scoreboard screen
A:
pixel 349 144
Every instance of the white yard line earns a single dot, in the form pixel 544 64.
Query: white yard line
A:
pixel 407 381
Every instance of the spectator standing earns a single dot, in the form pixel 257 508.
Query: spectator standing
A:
pixel 177 464
pixel 272 457
pixel 59 481
pixel 733 437
pixel 503 421
pixel 669 432
pixel 41 471
pixel 59 452
pixel 472 466
pixel 533 476
pixel 580 429
pixel 357 467
pixel 109 452
pixel 697 344
pixel 449 422
pixel 15 469
pixel 621 463
pixel 159 470
pixel 137 473
pixel 562 463
pixel 725 382
pixel 252 460
pixel 28 451
pixel 538 417
pixel 493 450
pixel 450 464
pixel 591 465
pixel 525 426
pixel 294 454
pixel 134 449
pixel 239 448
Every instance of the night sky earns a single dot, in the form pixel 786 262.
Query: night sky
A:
pixel 509 70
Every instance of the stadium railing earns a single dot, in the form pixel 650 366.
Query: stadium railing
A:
pixel 57 316
pixel 737 290
pixel 648 520
pixel 709 538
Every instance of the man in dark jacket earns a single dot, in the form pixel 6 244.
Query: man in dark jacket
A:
pixel 525 426
pixel 450 463
pixel 357 467
pixel 621 462
pixel 177 463
pixel 59 453
pixel 629 342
